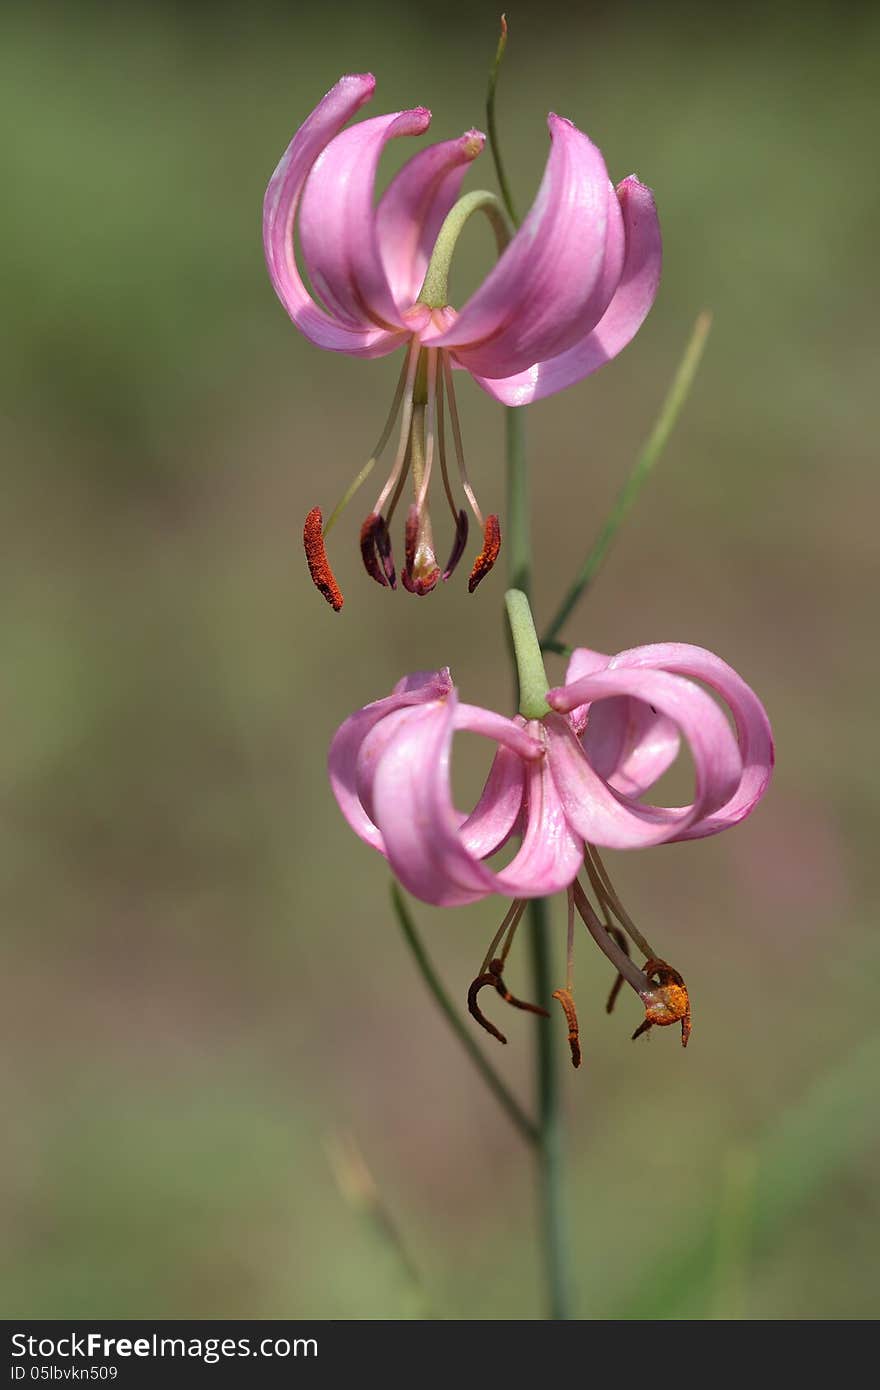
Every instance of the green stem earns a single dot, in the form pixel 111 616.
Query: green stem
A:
pixel 651 451
pixel 533 682
pixel 551 1136
pixel 435 288
pixel 524 1124
pixel 550 1149
pixel 517 539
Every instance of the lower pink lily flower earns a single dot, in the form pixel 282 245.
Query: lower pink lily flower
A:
pixel 570 290
pixel 568 784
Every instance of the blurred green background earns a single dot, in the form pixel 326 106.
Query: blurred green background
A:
pixel 202 984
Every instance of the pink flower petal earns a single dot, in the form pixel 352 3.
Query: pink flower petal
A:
pixel 423 836
pixel 583 662
pixel 623 318
pixel 628 744
pixel 342 761
pixel 361 338
pixel 337 221
pixel 609 818
pixel 496 815
pixel 551 853
pixel 410 796
pixel 412 208
pixel 753 730
pixel 625 741
pixel 555 280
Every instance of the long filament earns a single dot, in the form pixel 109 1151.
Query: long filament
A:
pixel 619 959
pixel 401 482
pixel 459 447
pixel 511 918
pixel 441 446
pixel 375 455
pixel 569 959
pixel 430 418
pixel 604 889
pixel 512 931
pixel 405 427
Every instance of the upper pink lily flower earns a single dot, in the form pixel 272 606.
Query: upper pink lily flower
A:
pixel 569 291
pixel 573 779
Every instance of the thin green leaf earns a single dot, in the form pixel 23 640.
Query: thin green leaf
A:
pixel 526 1126
pixel 494 145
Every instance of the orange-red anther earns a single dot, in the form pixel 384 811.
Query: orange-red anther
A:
pixel 488 555
pixel 667 1002
pixel 574 1041
pixel 319 566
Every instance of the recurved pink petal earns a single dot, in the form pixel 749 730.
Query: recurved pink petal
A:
pixel 427 845
pixel 412 804
pixel 412 208
pixel 627 743
pixel 551 852
pixel 583 662
pixel 753 731
pixel 497 813
pixel 337 221
pixel 556 278
pixel 343 758
pixel 608 817
pixel 360 338
pixel 621 321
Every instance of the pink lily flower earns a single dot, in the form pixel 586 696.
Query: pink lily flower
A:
pixel 571 288
pixel 567 784
pixel 576 777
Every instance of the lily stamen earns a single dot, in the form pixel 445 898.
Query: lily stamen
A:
pixel 622 942
pixel 491 972
pixel 493 976
pixel 609 900
pixel 316 556
pixel 566 996
pixel 488 555
pixel 660 988
pixel 668 1001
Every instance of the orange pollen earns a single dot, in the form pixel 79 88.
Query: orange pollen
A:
pixel 667 1002
pixel 488 555
pixel 319 566
pixel 574 1042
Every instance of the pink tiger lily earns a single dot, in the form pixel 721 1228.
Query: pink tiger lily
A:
pixel 567 785
pixel 569 291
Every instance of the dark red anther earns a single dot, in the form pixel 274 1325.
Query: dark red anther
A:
pixel 458 545
pixel 319 566
pixel 383 547
pixel 370 549
pixel 493 977
pixel 488 555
